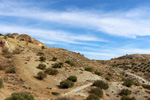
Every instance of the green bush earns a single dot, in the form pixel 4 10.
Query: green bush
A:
pixel 125 92
pixel 51 71
pixel 101 84
pixel 70 63
pixel 11 70
pixel 97 91
pixel 97 73
pixel 128 82
pixel 1 83
pixel 92 97
pixel 72 78
pixel 42 58
pixel 41 75
pixel 55 93
pixel 66 84
pixel 40 54
pixel 107 78
pixel 127 98
pixel 64 98
pixel 20 96
pixel 89 69
pixel 58 65
pixel 43 47
pixel 42 66
pixel 146 86
pixel 54 58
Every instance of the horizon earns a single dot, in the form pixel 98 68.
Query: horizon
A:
pixel 98 29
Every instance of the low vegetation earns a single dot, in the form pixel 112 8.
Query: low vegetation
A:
pixel 89 69
pixel 51 71
pixel 11 70
pixel 40 54
pixel 97 73
pixel 72 78
pixel 128 82
pixel 42 66
pixel 125 92
pixel 1 67
pixel 54 58
pixel 107 78
pixel 55 93
pixel 64 98
pixel 41 75
pixel 101 85
pixel 20 96
pixel 127 98
pixel 1 83
pixel 42 58
pixel 66 84
pixel 70 63
pixel 92 97
pixel 58 65
pixel 97 91
pixel 146 86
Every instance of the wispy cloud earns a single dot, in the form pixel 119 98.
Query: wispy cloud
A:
pixel 129 23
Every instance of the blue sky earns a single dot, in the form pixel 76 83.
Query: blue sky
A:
pixel 99 29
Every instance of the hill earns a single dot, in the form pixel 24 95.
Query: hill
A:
pixel 23 57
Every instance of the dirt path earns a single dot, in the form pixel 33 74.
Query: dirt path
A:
pixel 77 89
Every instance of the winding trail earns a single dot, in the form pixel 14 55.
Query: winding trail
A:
pixel 77 89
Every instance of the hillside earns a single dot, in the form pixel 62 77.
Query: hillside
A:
pixel 23 57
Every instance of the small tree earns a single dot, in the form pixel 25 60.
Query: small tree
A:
pixel 42 58
pixel 89 69
pixel 128 82
pixel 41 75
pixel 72 78
pixel 66 84
pixel 125 92
pixel 92 97
pixel 20 96
pixel 42 66
pixel 101 84
pixel 51 71
pixel 97 91
pixel 54 58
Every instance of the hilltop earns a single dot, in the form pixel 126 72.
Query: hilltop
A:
pixel 23 57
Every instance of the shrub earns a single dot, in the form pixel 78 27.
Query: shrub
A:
pixel 107 78
pixel 64 98
pixel 55 93
pixel 20 96
pixel 97 73
pixel 125 92
pixel 127 98
pixel 41 75
pixel 58 65
pixel 66 84
pixel 5 51
pixel 101 84
pixel 43 47
pixel 72 78
pixel 70 63
pixel 11 70
pixel 51 71
pixel 42 66
pixel 54 58
pixel 40 54
pixel 92 97
pixel 42 58
pixel 146 86
pixel 128 82
pixel 89 69
pixel 1 83
pixel 1 67
pixel 97 91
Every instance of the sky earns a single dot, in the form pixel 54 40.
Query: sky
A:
pixel 98 29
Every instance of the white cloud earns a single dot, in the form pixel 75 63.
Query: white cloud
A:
pixel 51 36
pixel 132 23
